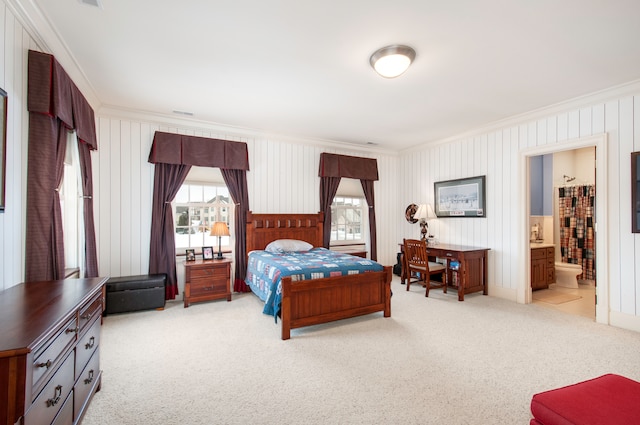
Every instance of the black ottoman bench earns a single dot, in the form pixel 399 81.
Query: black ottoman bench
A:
pixel 133 293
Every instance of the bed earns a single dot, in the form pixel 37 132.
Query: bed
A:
pixel 312 301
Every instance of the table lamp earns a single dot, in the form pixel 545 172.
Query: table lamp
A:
pixel 219 229
pixel 424 212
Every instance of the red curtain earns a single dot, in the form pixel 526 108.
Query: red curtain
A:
pixel 55 105
pixel 328 189
pixel 367 187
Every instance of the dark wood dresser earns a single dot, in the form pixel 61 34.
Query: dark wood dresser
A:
pixel 49 350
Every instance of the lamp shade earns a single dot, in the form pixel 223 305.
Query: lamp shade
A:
pixel 430 213
pixel 219 228
pixel 421 212
pixel 392 61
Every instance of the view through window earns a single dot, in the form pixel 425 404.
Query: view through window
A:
pixel 196 207
pixel 346 220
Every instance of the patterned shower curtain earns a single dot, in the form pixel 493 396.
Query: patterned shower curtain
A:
pixel 577 238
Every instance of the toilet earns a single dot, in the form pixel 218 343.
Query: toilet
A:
pixel 567 274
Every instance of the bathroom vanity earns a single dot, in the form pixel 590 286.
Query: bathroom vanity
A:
pixel 543 268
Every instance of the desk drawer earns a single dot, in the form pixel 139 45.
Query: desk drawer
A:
pixel 86 383
pixel 48 358
pixel 52 397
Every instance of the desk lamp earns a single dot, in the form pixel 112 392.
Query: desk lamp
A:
pixel 424 212
pixel 219 229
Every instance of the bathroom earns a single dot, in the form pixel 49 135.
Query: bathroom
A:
pixel 564 286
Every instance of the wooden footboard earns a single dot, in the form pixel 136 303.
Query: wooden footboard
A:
pixel 311 302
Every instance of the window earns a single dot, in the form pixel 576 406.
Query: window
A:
pixel 347 220
pixel 196 207
pixel 71 206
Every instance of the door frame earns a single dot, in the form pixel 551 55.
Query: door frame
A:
pixel 600 142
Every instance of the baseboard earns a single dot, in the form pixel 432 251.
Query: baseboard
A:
pixel 500 292
pixel 624 321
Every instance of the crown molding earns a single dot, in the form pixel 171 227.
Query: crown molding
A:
pixel 230 132
pixel 602 96
pixel 46 37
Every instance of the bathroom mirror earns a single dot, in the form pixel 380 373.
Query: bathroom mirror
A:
pixel 635 192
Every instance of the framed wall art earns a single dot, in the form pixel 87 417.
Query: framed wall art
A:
pixel 635 192
pixel 3 148
pixel 460 197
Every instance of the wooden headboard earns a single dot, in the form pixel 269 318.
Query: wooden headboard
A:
pixel 265 228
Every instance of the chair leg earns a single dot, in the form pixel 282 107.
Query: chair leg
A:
pixel 426 294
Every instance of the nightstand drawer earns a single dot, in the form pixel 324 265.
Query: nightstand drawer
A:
pixel 204 286
pixel 213 270
pixel 207 280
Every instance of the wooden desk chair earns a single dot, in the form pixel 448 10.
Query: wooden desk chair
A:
pixel 417 263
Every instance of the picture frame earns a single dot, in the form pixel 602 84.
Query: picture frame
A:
pixel 635 192
pixel 3 148
pixel 207 253
pixel 190 254
pixel 460 197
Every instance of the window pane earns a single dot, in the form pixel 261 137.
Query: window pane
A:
pixel 209 193
pixel 183 195
pixel 195 193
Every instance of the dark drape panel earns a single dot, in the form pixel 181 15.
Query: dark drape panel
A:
pixel 90 251
pixel 577 235
pixel 367 187
pixel 55 105
pixel 169 148
pixel 162 259
pixel 333 166
pixel 353 167
pixel 328 189
pixel 236 181
pixel 44 237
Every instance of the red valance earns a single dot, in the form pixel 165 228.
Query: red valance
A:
pixel 169 148
pixel 51 92
pixel 333 165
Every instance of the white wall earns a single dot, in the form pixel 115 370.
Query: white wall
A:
pixel 495 152
pixel 283 177
pixel 14 45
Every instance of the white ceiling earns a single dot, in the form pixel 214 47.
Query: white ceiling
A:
pixel 300 68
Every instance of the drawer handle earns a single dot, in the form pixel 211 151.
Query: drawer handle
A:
pixel 86 316
pixel 90 378
pixel 90 344
pixel 57 394
pixel 47 364
pixel 72 330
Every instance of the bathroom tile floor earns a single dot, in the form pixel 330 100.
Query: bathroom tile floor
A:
pixel 585 306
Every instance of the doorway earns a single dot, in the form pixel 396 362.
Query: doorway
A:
pixel 590 295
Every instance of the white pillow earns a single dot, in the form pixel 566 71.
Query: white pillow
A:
pixel 288 245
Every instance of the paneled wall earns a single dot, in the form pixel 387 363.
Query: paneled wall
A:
pixel 283 178
pixel 496 152
pixel 14 45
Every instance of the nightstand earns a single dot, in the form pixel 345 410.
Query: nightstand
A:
pixel 207 280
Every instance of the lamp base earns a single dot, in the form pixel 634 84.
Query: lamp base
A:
pixel 219 256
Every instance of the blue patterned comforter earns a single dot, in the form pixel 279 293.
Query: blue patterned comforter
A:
pixel 265 271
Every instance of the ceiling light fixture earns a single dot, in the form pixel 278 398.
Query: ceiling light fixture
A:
pixel 392 61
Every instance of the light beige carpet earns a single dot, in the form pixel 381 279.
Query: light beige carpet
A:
pixel 554 297
pixel 435 361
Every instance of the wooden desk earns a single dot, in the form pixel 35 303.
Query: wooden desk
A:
pixel 472 272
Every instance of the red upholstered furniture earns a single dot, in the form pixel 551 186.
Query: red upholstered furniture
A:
pixel 606 400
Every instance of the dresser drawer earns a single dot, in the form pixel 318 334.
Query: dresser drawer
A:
pixel 538 253
pixel 85 384
pixel 52 397
pixel 65 415
pixel 89 311
pixel 47 358
pixel 205 286
pixel 87 346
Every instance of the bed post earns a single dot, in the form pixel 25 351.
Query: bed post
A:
pixel 285 308
pixel 387 291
